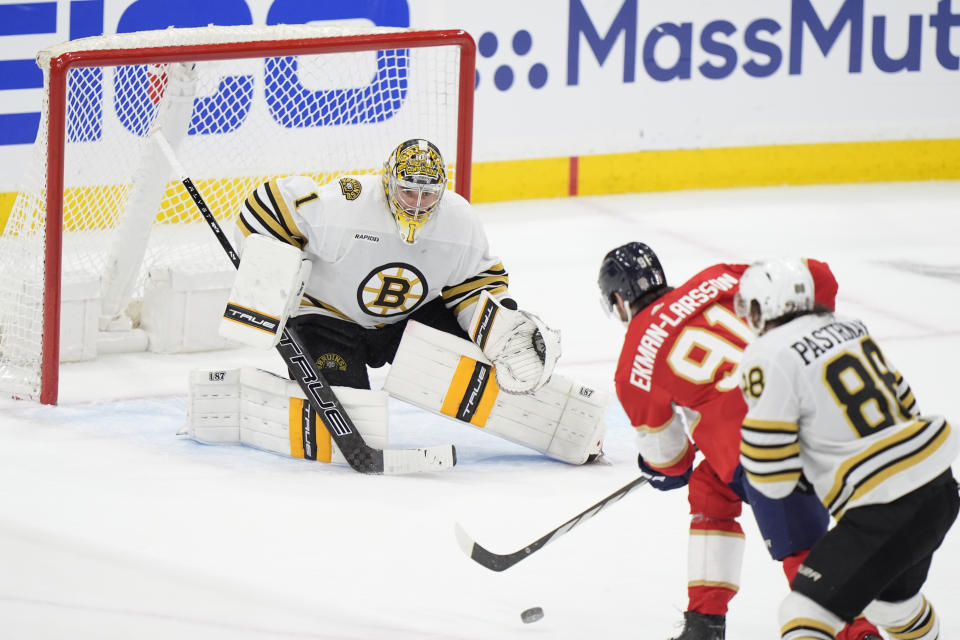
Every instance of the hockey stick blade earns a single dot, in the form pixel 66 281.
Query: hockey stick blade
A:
pixel 500 562
pixel 359 455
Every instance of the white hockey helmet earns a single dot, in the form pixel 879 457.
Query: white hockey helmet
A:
pixel 771 289
pixel 414 178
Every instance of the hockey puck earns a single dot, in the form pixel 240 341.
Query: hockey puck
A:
pixel 531 615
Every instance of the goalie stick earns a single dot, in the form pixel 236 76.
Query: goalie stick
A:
pixel 500 562
pixel 359 455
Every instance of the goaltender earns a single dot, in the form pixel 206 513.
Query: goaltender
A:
pixel 368 255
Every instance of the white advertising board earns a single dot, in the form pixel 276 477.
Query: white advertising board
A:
pixel 579 77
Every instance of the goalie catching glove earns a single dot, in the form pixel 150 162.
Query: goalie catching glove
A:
pixel 521 347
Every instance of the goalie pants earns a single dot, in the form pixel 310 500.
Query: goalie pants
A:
pixel 343 350
pixel 879 551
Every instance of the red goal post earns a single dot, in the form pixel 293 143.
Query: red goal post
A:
pixel 241 104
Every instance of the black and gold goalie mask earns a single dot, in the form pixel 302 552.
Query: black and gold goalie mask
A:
pixel 414 178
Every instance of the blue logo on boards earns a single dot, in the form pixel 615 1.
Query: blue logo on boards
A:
pixel 234 95
pixel 521 44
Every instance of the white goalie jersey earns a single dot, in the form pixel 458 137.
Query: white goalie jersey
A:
pixel 824 401
pixel 363 271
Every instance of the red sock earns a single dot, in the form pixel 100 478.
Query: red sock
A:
pixel 791 564
pixel 857 629
pixel 709 600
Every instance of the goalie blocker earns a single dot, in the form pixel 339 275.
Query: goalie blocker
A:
pixel 267 289
pixel 265 411
pixel 450 376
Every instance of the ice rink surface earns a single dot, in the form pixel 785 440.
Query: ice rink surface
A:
pixel 112 527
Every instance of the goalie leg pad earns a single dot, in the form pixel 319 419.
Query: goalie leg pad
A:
pixel 444 374
pixel 265 411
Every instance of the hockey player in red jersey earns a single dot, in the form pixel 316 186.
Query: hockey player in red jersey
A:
pixel 675 379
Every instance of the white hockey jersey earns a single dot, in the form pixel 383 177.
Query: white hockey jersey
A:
pixel 362 270
pixel 825 401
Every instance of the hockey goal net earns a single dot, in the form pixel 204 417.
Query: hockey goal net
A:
pixel 239 105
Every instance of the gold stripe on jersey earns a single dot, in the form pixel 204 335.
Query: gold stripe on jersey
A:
pixel 646 428
pixel 310 301
pixel 789 477
pixel 902 435
pixel 933 435
pixel 480 281
pixel 694 424
pixel 868 485
pixel 466 302
pixel 299 202
pixel 715 532
pixel 258 211
pixel 245 227
pixel 460 296
pixel 770 453
pixel 271 219
pixel 770 426
pixel 713 583
pixel 280 206
pixel 908 404
pixel 666 464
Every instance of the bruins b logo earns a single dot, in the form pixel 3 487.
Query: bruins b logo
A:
pixel 392 289
pixel 350 188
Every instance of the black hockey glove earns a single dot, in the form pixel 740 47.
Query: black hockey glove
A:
pixel 661 481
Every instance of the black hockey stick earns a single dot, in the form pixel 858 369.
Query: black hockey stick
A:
pixel 359 455
pixel 499 562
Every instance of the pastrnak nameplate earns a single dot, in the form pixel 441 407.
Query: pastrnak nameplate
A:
pixel 472 392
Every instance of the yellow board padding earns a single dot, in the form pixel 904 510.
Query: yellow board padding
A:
pixel 98 207
pixel 801 164
pixel 6 206
pixel 520 179
pixel 644 171
pixel 296 433
pixel 459 384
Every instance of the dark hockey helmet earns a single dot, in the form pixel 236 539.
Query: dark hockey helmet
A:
pixel 633 271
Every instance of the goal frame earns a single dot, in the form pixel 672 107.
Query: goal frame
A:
pixel 57 120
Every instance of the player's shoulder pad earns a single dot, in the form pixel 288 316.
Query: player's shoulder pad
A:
pixel 453 204
pixel 296 187
pixel 455 215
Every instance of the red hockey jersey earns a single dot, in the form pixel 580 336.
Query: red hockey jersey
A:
pixel 683 350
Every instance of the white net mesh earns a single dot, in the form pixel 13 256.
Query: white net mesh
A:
pixel 233 123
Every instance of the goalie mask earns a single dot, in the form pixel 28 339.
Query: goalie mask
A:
pixel 630 271
pixel 773 289
pixel 414 178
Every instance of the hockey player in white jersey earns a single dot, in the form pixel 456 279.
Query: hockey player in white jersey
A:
pixel 828 410
pixel 395 252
